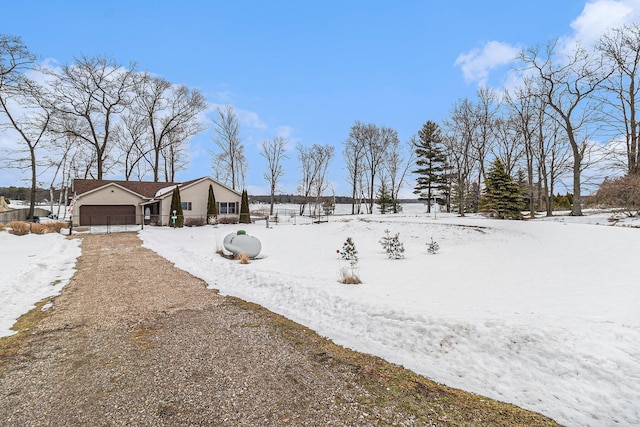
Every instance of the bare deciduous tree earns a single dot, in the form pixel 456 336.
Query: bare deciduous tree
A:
pixel 171 116
pixel 397 167
pixel 25 104
pixel 90 94
pixel 622 47
pixel 485 111
pixel 274 151
pixel 353 153
pixel 524 106
pixel 314 162
pixel 458 138
pixel 567 85
pixel 230 160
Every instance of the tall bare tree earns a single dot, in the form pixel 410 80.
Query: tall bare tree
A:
pixel 524 109
pixel 353 153
pixel 129 134
pixel 274 151
pixel 90 94
pixel 508 144
pixel 397 166
pixel 567 86
pixel 622 47
pixel 230 159
pixel 485 111
pixel 459 134
pixel 25 104
pixel 171 115
pixel 314 162
pixel 374 140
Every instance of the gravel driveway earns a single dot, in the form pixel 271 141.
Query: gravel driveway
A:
pixel 133 341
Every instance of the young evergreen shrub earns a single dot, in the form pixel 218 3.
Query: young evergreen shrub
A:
pixel 433 247
pixel 392 245
pixel 245 215
pixel 176 205
pixel 384 201
pixel 212 207
pixel 349 252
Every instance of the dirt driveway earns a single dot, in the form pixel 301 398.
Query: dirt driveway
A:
pixel 134 341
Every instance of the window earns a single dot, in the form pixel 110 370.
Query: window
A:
pixel 186 206
pixel 227 207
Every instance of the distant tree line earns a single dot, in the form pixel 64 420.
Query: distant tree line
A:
pixel 24 193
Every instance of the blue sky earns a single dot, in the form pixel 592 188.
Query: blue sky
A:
pixel 307 70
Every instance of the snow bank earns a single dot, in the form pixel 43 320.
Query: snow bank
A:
pixel 33 267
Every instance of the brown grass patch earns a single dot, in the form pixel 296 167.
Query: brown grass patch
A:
pixel 55 226
pixel 19 228
pixel 10 345
pixel 244 259
pixel 397 388
pixel 349 277
pixel 38 228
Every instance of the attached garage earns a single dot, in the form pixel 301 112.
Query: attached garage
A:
pixel 107 214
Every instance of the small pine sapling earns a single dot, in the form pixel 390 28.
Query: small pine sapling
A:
pixel 350 254
pixel 433 247
pixel 392 245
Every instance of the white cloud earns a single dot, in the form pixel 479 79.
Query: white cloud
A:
pixel 598 17
pixel 477 63
pixel 284 131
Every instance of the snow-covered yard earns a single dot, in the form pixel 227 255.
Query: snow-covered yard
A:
pixel 544 314
pixel 32 268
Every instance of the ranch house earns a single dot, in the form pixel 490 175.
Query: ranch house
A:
pixel 110 202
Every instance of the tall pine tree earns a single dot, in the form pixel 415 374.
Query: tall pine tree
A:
pixel 176 205
pixel 430 162
pixel 501 195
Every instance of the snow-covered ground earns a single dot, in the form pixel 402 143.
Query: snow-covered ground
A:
pixel 32 268
pixel 544 314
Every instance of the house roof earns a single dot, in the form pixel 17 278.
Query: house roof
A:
pixel 145 189
pixel 148 190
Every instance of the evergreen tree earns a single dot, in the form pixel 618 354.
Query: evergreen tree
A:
pixel 349 252
pixel 384 201
pixel 212 206
pixel 245 216
pixel 392 245
pixel 430 162
pixel 501 195
pixel 176 205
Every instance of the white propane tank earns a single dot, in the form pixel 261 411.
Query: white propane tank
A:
pixel 242 243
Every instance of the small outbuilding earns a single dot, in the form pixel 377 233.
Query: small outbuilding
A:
pixel 112 202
